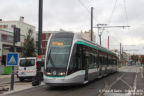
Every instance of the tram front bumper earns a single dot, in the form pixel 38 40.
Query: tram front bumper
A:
pixel 63 81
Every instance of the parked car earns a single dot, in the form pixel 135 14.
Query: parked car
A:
pixel 28 68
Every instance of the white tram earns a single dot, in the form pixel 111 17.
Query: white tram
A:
pixel 70 60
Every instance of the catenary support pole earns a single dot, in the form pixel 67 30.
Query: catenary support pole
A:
pixel 40 25
pixel 91 23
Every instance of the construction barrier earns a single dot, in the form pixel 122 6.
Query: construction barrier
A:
pixel 7 70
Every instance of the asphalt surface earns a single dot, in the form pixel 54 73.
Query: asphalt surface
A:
pixel 129 82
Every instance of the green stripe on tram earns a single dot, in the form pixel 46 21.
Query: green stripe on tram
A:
pixel 92 46
pixel 55 76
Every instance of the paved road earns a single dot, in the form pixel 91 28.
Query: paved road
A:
pixel 127 82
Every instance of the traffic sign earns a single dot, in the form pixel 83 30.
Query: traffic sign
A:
pixel 39 58
pixel 12 59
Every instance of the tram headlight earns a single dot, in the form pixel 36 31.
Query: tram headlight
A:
pixel 62 73
pixel 48 73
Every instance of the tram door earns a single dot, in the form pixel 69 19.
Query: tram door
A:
pixel 86 61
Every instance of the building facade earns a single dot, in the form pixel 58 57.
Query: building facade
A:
pixel 87 35
pixel 45 37
pixel 6 36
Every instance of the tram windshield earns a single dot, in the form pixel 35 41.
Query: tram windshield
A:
pixel 58 52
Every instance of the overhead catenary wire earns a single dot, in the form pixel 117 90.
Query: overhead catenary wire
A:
pixel 127 20
pixel 83 5
pixel 111 16
pixel 87 9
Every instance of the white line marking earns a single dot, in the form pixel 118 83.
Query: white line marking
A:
pixel 141 72
pixel 109 87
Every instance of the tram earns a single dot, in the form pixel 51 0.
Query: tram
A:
pixel 71 60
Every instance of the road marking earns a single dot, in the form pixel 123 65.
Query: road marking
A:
pixel 132 88
pixel 109 87
pixel 134 84
pixel 117 94
pixel 106 84
pixel 141 71
pixel 126 83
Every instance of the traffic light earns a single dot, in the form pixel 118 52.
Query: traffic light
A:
pixel 16 34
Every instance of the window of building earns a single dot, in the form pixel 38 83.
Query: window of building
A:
pixel 6 38
pixel 5 26
pixel 12 26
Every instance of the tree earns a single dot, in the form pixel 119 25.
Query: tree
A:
pixel 29 47
pixel 142 59
pixel 134 57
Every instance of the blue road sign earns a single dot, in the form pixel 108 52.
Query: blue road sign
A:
pixel 12 59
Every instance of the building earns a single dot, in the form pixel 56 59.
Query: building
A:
pixel 87 35
pixel 45 37
pixel 6 36
pixel 117 52
pixel 124 58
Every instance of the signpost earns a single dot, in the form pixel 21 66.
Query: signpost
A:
pixel 12 60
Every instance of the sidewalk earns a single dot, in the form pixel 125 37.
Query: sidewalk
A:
pixel 6 76
pixel 19 86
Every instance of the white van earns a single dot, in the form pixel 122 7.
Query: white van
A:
pixel 27 68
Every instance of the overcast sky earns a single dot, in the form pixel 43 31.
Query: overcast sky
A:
pixel 74 15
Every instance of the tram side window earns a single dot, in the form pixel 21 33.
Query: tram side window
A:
pixel 109 60
pixel 100 58
pixel 115 61
pixel 91 58
pixel 76 59
pixel 87 59
pixel 104 60
pixel 95 61
pixel 92 61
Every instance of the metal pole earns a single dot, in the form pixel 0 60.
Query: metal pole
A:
pixel 12 79
pixel 100 40
pixel 120 53
pixel 40 26
pixel 12 74
pixel 91 23
pixel 99 34
pixel 108 42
